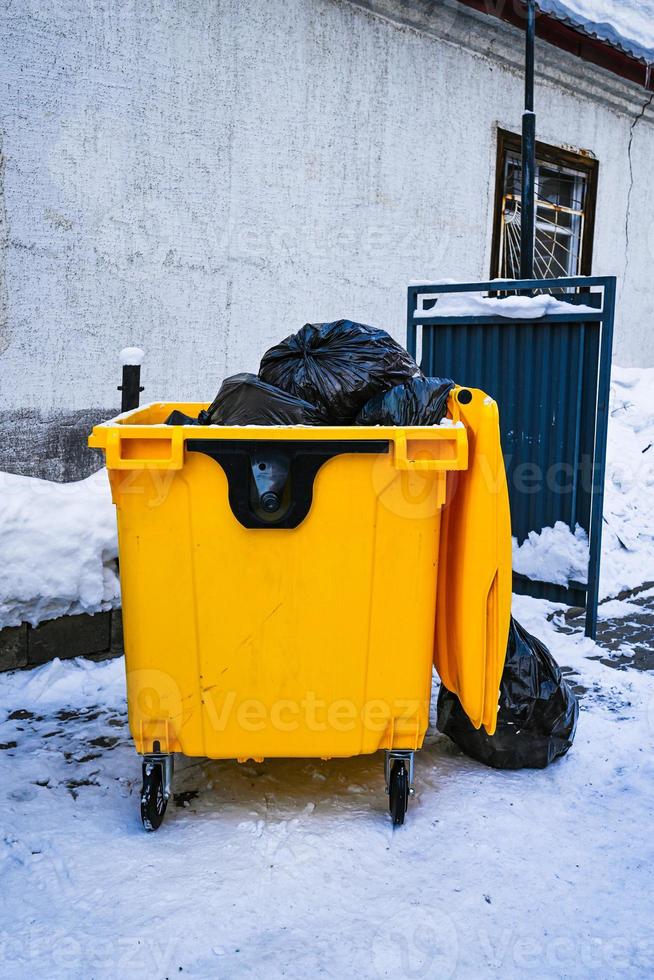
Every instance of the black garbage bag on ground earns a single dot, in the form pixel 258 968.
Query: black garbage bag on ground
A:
pixel 244 399
pixel 337 366
pixel 537 715
pixel 420 401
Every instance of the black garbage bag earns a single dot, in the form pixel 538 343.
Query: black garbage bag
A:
pixel 537 715
pixel 420 401
pixel 179 418
pixel 337 366
pixel 244 399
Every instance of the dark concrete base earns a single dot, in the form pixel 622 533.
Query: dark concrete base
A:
pixel 13 647
pixel 51 446
pixel 99 636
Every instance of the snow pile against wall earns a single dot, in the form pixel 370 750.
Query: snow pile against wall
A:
pixel 627 24
pixel 79 682
pixel 556 554
pixel 59 548
pixel 628 535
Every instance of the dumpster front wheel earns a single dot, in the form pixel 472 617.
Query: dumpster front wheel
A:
pixel 154 797
pixel 398 792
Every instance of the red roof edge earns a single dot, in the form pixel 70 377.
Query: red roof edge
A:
pixel 568 39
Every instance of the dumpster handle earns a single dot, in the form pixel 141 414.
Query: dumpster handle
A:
pixel 403 460
pixel 162 450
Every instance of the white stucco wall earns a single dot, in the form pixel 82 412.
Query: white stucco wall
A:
pixel 201 177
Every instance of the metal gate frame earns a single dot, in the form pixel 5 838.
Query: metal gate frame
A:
pixel 594 343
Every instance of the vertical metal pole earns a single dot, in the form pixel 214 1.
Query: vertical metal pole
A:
pixel 131 387
pixel 599 456
pixel 578 416
pixel 528 210
pixel 411 330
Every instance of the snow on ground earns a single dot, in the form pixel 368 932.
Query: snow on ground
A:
pixel 59 548
pixel 291 868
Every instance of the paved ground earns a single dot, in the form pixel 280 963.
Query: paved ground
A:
pixel 628 637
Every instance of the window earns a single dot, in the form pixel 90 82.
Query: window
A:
pixel 566 185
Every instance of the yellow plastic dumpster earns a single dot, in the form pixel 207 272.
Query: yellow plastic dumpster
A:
pixel 279 585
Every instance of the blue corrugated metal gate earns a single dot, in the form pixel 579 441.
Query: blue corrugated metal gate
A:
pixel 550 377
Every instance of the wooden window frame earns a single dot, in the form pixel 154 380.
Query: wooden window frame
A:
pixel 545 152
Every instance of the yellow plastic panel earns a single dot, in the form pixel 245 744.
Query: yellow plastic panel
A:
pixel 474 580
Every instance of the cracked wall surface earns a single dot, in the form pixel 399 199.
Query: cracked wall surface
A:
pixel 201 179
pixel 635 296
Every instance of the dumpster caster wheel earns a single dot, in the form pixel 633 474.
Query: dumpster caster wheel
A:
pixel 398 792
pixel 154 798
